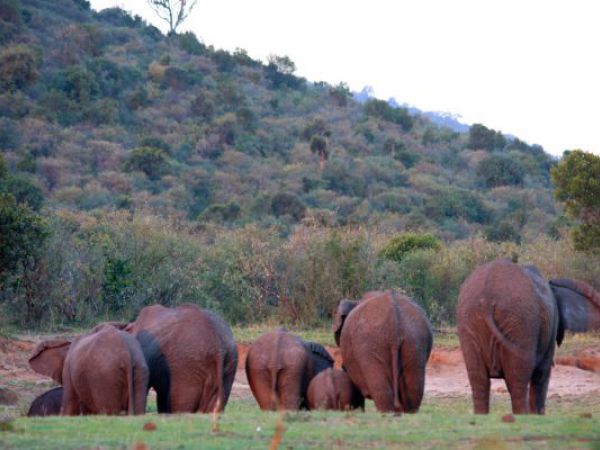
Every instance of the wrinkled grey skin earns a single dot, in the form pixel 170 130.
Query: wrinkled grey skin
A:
pixel 509 318
pixel 385 341
pixel 279 367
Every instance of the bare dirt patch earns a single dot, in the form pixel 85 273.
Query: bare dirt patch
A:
pixel 573 375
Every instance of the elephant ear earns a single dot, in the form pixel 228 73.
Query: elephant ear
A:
pixel 578 306
pixel 343 309
pixel 49 358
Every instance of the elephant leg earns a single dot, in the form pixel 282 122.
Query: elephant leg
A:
pixel 140 388
pixel 479 378
pixel 381 391
pixel 538 389
pixel 70 401
pixel 517 375
pixel 290 390
pixel 261 389
pixel 186 396
pixel 412 386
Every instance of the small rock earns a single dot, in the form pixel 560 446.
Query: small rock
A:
pixel 508 418
pixel 149 426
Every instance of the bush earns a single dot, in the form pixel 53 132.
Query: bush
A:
pixel 221 213
pixel 288 204
pixel 499 170
pixel 382 110
pixel 188 42
pixel 457 203
pixel 400 246
pixel 18 68
pixel 154 162
pixel 23 190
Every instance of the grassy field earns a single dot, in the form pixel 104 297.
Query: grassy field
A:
pixel 442 423
pixel 572 421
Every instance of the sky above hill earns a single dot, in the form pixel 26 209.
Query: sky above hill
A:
pixel 527 68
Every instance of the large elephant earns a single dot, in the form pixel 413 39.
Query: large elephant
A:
pixel 385 340
pixel 279 367
pixel 192 357
pixel 47 404
pixel 333 389
pixel 102 372
pixel 509 318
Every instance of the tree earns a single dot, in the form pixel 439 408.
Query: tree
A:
pixel 154 162
pixel 22 233
pixel 174 12
pixel 576 181
pixel 500 170
pixel 18 68
pixel 318 145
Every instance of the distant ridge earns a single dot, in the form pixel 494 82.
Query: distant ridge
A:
pixel 441 118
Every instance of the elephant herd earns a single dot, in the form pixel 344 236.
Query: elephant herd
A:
pixel 509 319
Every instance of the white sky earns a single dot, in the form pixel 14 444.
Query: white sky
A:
pixel 525 67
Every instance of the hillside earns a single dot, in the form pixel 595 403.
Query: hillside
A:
pixel 231 137
pixel 168 170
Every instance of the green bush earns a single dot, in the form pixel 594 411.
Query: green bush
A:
pixel 154 162
pixel 500 170
pixel 400 246
pixel 18 68
pixel 288 204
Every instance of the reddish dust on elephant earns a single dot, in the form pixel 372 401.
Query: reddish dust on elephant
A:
pixel 509 319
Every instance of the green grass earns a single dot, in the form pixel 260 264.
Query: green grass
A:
pixel 442 423
pixel 248 333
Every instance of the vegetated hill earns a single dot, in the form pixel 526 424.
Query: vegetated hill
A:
pixel 103 112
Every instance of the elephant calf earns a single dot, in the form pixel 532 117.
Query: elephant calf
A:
pixel 279 367
pixel 103 372
pixel 333 389
pixel 47 404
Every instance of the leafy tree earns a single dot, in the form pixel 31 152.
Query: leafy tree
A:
pixel 500 170
pixel 502 232
pixel 481 137
pixel 18 68
pixel 154 162
pixel 174 12
pixel 340 94
pixel 286 203
pixel 382 110
pixel 576 181
pixel 221 213
pixel 280 72
pixel 3 167
pixel 22 233
pixel 400 246
pixel 188 42
pixel 318 145
pixel 23 190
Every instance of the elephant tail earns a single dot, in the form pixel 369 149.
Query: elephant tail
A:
pixel 274 375
pixel 334 396
pixel 220 403
pixel 503 340
pixel 130 388
pixel 395 349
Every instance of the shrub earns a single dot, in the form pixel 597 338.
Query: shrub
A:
pixel 154 162
pixel 286 203
pixel 188 42
pixel 499 170
pixel 18 68
pixel 382 110
pixel 221 213
pixel 400 246
pixel 457 203
pixel 23 190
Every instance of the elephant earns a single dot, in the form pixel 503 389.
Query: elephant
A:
pixel 191 355
pixel 47 404
pixel 279 367
pixel 333 389
pixel 509 318
pixel 102 372
pixel 385 341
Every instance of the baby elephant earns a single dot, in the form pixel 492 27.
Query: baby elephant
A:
pixel 47 404
pixel 333 389
pixel 102 372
